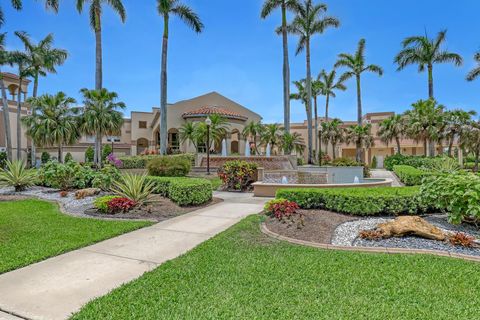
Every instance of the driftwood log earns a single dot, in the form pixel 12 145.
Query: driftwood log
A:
pixel 90 192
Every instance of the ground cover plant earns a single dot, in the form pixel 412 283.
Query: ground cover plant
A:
pixel 241 273
pixel 33 230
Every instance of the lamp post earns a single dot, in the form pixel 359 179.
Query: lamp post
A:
pixel 208 122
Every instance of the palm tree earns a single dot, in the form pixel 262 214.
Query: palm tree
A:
pixel 5 60
pixel 357 65
pixel 286 5
pixel 333 133
pixel 310 19
pixel 392 128
pixel 291 141
pixel 95 12
pixel 472 75
pixel 54 122
pixel 361 136
pixel 253 130
pixel 423 123
pixel 218 130
pixel 426 52
pixel 101 117
pixel 317 89
pixel 455 122
pixel 188 133
pixel 189 17
pixel 271 135
pixel 470 140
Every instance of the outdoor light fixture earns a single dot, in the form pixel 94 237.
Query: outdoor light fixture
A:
pixel 208 122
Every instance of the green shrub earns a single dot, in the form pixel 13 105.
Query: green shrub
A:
pixel 105 177
pixel 17 175
pixel 411 176
pixel 183 191
pixel 140 162
pixel 169 167
pixel 238 175
pixel 45 157
pixel 68 157
pixel 57 175
pixel 419 162
pixel 374 163
pixel 457 194
pixel 134 187
pixel 101 203
pixel 3 159
pixel 106 151
pixel 89 154
pixel 357 201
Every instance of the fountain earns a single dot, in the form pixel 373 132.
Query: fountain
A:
pixel 284 180
pixel 356 180
pixel 224 148
pixel 247 149
pixel 269 150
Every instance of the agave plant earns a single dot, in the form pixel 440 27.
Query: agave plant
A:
pixel 17 175
pixel 134 187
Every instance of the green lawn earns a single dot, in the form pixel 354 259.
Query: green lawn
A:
pixel 33 230
pixel 243 274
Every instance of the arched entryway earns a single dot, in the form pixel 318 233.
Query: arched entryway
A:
pixel 235 141
pixel 173 141
pixel 142 145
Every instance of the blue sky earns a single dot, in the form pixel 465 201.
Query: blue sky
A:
pixel 240 56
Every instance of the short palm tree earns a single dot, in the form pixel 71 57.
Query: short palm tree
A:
pixel 361 136
pixel 95 12
pixel 310 20
pixel 188 133
pixel 292 141
pixel 426 52
pixel 271 135
pixel 472 75
pixel 166 8
pixel 333 133
pixel 253 130
pixel 356 65
pixel 286 6
pixel 455 122
pixel 101 117
pixel 392 129
pixel 5 60
pixel 218 130
pixel 55 122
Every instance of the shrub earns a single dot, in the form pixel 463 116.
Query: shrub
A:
pixel 419 162
pixel 411 176
pixel 183 191
pixel 17 175
pixel 140 162
pixel 457 194
pixel 357 201
pixel 57 175
pixel 238 175
pixel 114 161
pixel 106 150
pixel 134 187
pixel 104 178
pixel 101 203
pixel 300 162
pixel 462 239
pixel 120 205
pixel 374 163
pixel 281 208
pixel 68 157
pixel 168 166
pixel 45 157
pixel 89 154
pixel 3 159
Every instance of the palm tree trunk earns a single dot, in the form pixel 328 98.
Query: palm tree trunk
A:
pixel 6 119
pixel 430 81
pixel 309 104
pixel 334 146
pixel 431 148
pixel 35 92
pixel 317 151
pixel 477 156
pixel 286 71
pixel 98 56
pixel 450 147
pixel 399 150
pixel 425 151
pixel 327 102
pixel 19 124
pixel 358 151
pixel 98 139
pixel 163 90
pixel 60 153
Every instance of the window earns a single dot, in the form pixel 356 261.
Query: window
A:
pixel 142 124
pixel 113 139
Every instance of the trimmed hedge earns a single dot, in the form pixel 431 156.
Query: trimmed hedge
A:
pixel 357 201
pixel 183 191
pixel 411 176
pixel 169 166
pixel 413 161
pixel 140 162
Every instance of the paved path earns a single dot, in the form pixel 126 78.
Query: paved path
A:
pixel 57 287
pixel 385 174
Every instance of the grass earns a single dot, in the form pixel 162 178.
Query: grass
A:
pixel 33 230
pixel 243 274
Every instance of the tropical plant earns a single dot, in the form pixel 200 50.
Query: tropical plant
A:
pixel 134 187
pixel 286 6
pixel 475 72
pixel 470 141
pixel 271 135
pixel 310 20
pixel 101 117
pixel 89 154
pixel 357 66
pixel 392 128
pixel 292 141
pixel 188 133
pixel 17 175
pixel 424 121
pixel 455 121
pixel 238 175
pixel 253 130
pixel 333 133
pixel 166 8
pixel 218 130
pixel 425 52
pixel 329 84
pixel 361 136
pixel 54 122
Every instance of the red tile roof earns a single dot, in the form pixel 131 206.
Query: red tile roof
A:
pixel 208 110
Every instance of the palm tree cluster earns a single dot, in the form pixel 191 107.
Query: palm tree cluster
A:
pixel 196 132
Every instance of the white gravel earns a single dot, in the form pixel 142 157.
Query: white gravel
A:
pixel 346 233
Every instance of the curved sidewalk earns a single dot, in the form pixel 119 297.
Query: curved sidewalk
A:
pixel 57 287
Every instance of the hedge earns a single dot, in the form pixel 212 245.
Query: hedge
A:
pixel 413 161
pixel 183 191
pixel 411 176
pixel 357 201
pixel 140 162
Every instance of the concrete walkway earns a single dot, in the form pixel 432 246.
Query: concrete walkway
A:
pixel 57 287
pixel 385 174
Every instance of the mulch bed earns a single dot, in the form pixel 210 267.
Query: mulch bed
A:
pixel 160 210
pixel 319 226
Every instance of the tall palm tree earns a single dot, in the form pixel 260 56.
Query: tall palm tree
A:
pixel 5 60
pixel 95 13
pixel 271 135
pixel 356 65
pixel 361 136
pixel 253 130
pixel 426 52
pixel 54 122
pixel 317 89
pixel 423 123
pixel 455 122
pixel 188 133
pixel 101 117
pixel 291 141
pixel 310 20
pixel 43 58
pixel 473 75
pixel 286 6
pixel 333 133
pixel 392 128
pixel 190 18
